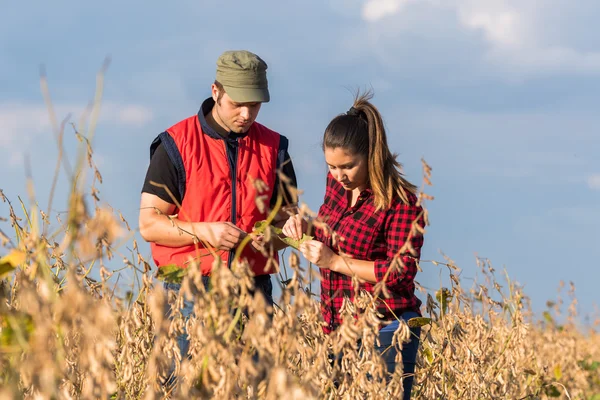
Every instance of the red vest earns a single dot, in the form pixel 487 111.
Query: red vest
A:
pixel 209 189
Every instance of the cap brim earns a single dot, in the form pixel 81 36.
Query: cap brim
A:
pixel 247 95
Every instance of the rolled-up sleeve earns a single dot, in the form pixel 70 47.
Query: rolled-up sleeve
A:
pixel 401 261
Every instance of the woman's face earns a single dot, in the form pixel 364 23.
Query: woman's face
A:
pixel 348 169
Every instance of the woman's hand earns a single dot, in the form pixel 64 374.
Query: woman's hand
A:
pixel 319 254
pixel 295 227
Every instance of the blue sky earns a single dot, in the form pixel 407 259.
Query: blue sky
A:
pixel 499 96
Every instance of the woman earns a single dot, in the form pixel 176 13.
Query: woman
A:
pixel 371 213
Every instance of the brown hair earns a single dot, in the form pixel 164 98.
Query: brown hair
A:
pixel 221 90
pixel 361 132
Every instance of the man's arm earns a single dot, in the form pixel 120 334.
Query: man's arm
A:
pixel 160 194
pixel 159 225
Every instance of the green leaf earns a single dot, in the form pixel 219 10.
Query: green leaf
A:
pixel 13 327
pixel 552 391
pixel 589 366
pixel 443 296
pixel 261 226
pixel 428 355
pixel 11 261
pixel 296 243
pixel 548 317
pixel 171 273
pixel 418 322
pixel 557 372
pixel 5 268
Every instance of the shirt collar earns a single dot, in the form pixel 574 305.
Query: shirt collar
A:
pixel 205 108
pixel 366 193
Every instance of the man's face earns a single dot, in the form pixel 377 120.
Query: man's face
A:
pixel 232 116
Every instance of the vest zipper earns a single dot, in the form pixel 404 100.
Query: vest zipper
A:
pixel 233 168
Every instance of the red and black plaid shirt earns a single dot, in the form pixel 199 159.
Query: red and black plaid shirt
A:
pixel 365 234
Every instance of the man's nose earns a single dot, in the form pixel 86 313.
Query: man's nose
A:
pixel 245 113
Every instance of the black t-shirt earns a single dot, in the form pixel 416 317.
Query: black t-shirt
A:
pixel 162 169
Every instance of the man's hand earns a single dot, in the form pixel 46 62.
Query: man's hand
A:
pixel 222 235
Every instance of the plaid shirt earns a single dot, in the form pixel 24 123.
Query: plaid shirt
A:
pixel 365 234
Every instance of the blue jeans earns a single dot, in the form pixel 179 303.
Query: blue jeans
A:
pixel 388 352
pixel 262 284
pixel 409 351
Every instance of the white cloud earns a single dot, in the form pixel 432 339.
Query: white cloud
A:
pixel 21 123
pixel 129 114
pixel 18 120
pixel 501 25
pixel 375 10
pixel 515 31
pixel 594 182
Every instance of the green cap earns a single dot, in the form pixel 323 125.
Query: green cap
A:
pixel 243 76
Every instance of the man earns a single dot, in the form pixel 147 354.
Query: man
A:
pixel 206 168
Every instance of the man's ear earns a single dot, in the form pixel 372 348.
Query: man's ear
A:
pixel 214 92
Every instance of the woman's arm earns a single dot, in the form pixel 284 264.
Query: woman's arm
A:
pixel 403 234
pixel 365 270
pixel 403 243
pixel 321 255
